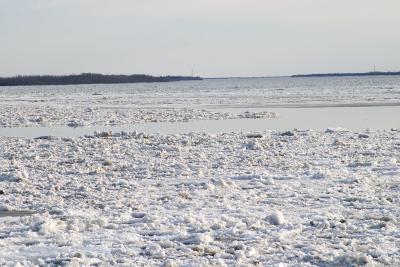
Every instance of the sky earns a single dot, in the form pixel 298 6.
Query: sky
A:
pixel 214 38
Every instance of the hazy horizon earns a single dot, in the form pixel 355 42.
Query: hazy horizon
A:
pixel 223 38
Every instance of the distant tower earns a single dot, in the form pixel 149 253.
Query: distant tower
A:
pixel 192 72
pixel 374 68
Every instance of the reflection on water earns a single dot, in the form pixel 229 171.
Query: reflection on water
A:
pixel 351 118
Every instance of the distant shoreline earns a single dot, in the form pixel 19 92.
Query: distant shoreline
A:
pixel 375 73
pixel 88 78
pixel 309 75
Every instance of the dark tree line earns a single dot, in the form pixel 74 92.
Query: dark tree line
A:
pixel 88 78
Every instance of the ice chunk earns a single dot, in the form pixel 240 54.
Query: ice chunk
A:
pixel 276 218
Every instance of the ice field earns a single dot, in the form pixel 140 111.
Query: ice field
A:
pixel 289 196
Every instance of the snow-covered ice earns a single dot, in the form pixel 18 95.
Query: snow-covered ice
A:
pixel 271 198
pixel 202 199
pixel 88 105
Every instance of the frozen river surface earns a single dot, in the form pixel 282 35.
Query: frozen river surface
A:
pixel 212 99
pixel 278 197
pixel 313 118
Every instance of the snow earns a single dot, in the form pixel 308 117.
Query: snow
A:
pixel 286 203
pixel 276 218
pixel 271 198
pixel 121 104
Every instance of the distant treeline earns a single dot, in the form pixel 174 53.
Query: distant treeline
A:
pixel 375 73
pixel 88 78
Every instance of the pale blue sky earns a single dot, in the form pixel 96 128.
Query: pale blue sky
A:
pixel 215 37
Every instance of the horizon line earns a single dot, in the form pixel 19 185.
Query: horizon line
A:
pixel 315 74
